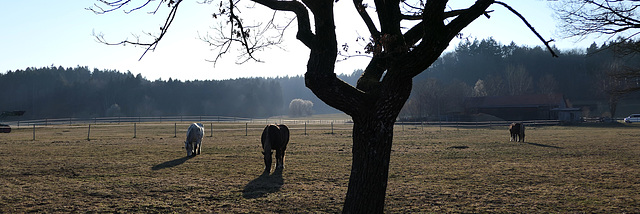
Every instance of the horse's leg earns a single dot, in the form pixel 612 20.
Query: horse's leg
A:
pixel 187 146
pixel 280 159
pixel 198 147
pixel 267 161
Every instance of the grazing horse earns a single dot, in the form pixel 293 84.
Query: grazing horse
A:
pixel 274 137
pixel 193 144
pixel 517 132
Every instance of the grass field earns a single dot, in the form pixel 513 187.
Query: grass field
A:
pixel 560 169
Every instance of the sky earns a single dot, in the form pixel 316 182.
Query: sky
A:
pixel 41 33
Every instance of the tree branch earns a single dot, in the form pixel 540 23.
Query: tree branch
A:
pixel 361 8
pixel 302 15
pixel 150 45
pixel 546 43
pixel 584 17
pixel 434 35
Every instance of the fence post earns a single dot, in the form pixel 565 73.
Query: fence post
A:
pixel 175 129
pixel 89 132
pixel 305 128
pixel 211 127
pixel 246 129
pixel 135 130
pixel 34 131
pixel 331 127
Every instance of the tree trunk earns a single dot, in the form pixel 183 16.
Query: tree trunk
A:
pixel 372 140
pixel 613 104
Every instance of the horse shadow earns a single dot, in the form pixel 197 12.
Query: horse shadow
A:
pixel 171 163
pixel 263 185
pixel 543 145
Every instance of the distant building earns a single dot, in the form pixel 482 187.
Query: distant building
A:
pixel 523 107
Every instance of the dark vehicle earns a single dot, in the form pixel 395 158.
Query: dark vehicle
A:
pixel 6 128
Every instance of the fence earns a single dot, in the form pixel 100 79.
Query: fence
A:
pixel 168 126
pixel 173 124
pixel 159 130
pixel 483 124
pixel 170 119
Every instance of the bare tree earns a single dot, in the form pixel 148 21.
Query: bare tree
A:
pixel 547 84
pixel 300 108
pixel 494 86
pixel 479 90
pixel 406 37
pixel 518 80
pixel 580 18
pixel 611 18
pixel 614 82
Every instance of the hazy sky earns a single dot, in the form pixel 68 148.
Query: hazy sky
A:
pixel 41 33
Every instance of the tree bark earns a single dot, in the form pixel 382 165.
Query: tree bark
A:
pixel 613 104
pixel 370 167
pixel 372 142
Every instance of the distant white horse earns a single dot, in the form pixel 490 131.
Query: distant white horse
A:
pixel 193 144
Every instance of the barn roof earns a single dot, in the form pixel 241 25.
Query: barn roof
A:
pixel 531 100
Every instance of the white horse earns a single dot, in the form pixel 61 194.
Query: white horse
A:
pixel 193 144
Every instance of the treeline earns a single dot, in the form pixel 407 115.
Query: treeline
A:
pixel 57 92
pixel 475 68
pixel 52 92
pixel 488 68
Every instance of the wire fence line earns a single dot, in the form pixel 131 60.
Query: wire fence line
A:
pixel 164 129
pixel 169 119
pixel 243 120
pixel 165 126
pixel 480 124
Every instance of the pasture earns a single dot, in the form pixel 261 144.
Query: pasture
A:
pixel 560 169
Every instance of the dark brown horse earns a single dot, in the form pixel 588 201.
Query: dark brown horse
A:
pixel 517 132
pixel 274 137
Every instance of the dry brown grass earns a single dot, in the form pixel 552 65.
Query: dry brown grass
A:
pixel 559 170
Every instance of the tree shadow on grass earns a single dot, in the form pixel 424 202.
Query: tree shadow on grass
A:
pixel 263 185
pixel 543 145
pixel 171 163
